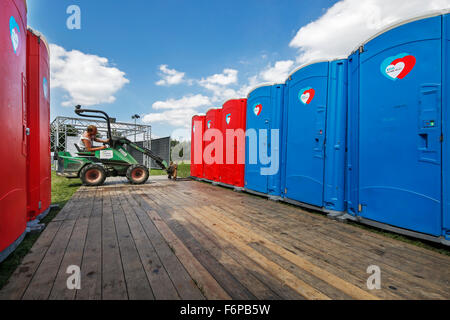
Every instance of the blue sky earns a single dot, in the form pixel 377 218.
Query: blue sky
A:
pixel 167 60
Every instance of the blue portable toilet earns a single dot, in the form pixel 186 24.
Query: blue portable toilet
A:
pixel 264 112
pixel 398 129
pixel 316 118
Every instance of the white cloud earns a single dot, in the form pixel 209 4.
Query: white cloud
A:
pixel 221 94
pixel 88 79
pixel 179 112
pixel 251 83
pixel 190 101
pixel 350 22
pixel 227 77
pixel 170 76
pixel 278 73
pixel 181 134
pixel 219 84
pixel 173 117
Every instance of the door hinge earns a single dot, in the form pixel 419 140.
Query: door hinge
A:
pixel 285 190
pixel 360 207
pixel 361 49
pixel 442 137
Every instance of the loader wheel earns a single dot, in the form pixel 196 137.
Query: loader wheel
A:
pixel 93 175
pixel 137 174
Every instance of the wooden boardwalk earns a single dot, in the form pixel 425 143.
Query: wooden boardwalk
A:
pixel 191 240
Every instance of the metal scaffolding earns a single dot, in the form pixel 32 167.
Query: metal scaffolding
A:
pixel 64 127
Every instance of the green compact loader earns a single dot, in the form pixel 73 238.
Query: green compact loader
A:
pixel 115 161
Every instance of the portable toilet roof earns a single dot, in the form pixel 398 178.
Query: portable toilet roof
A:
pixel 398 23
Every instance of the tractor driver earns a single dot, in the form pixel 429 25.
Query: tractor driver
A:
pixel 87 140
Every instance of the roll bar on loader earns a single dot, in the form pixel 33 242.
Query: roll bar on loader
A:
pixel 81 113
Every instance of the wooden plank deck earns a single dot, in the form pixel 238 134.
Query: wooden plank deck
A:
pixel 192 240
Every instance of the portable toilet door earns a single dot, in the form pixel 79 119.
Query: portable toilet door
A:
pixel 264 116
pixel 213 150
pixel 316 110
pixel 13 196
pixel 397 132
pixel 198 127
pixel 233 130
pixel 38 114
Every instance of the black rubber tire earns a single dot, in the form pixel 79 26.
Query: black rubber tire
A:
pixel 137 174
pixel 93 175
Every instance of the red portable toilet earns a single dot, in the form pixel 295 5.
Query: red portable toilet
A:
pixel 38 119
pixel 212 171
pixel 198 127
pixel 234 120
pixel 13 195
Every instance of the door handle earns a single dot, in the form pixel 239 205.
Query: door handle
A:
pixel 429 123
pixel 423 141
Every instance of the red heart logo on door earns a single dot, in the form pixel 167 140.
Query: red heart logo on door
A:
pixel 307 95
pixel 257 109
pixel 398 67
pixel 408 64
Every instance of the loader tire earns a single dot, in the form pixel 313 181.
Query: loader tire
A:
pixel 137 174
pixel 93 175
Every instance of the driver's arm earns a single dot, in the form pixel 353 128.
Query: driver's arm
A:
pixel 88 145
pixel 101 141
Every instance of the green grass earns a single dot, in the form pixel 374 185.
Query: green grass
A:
pixel 184 171
pixel 62 191
pixel 157 172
